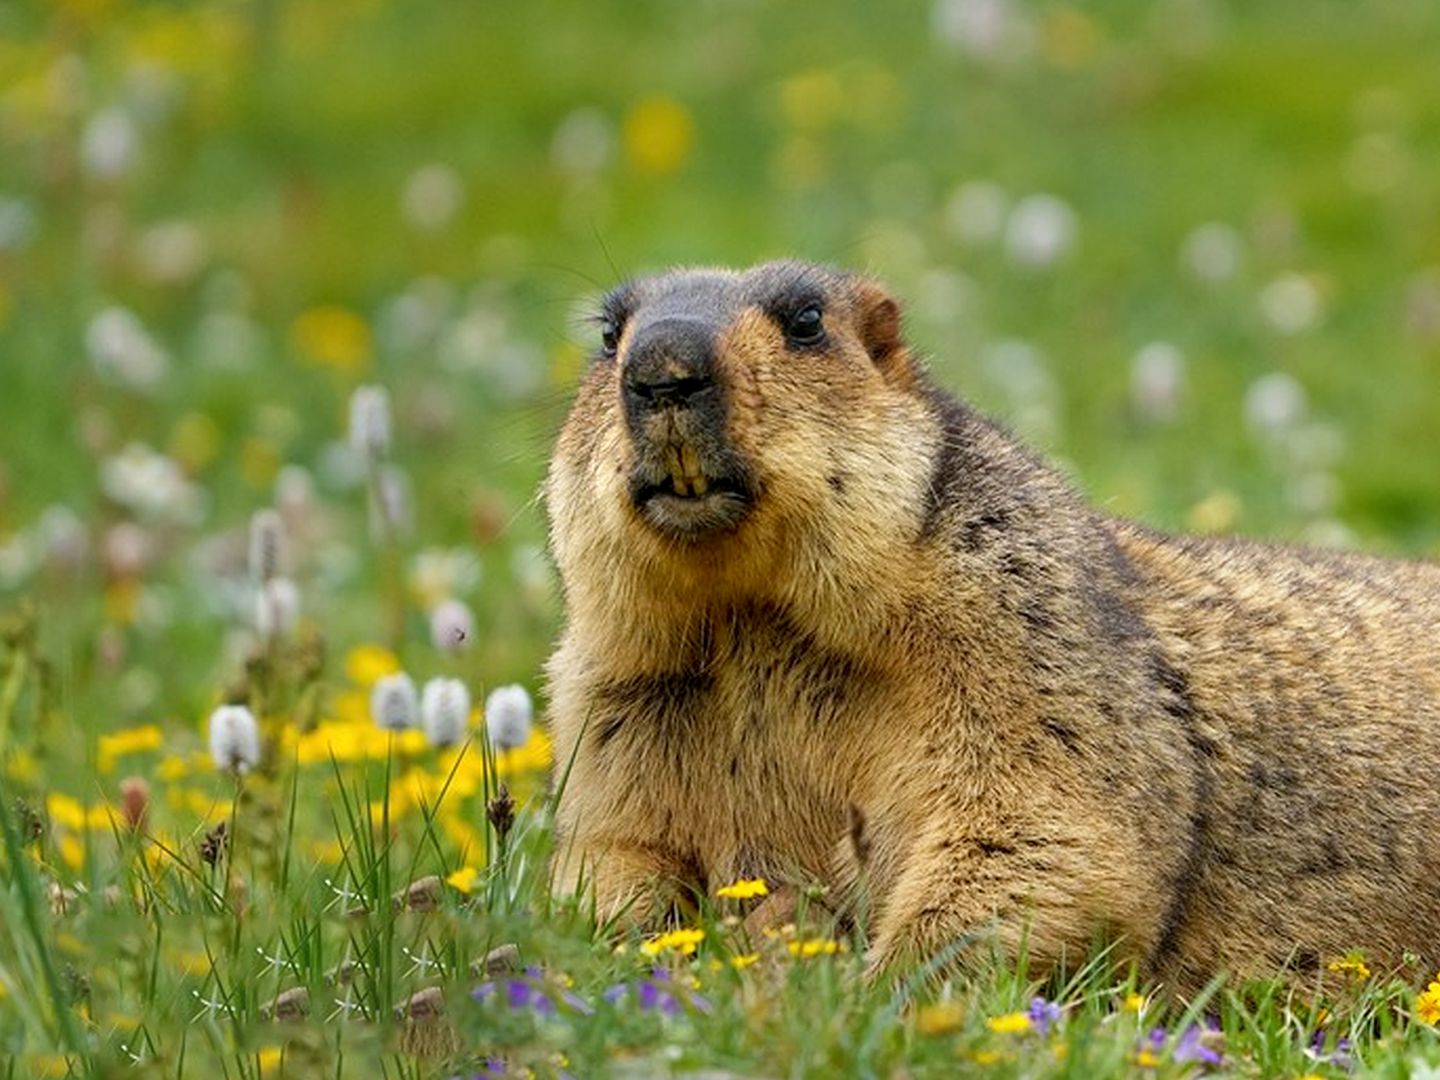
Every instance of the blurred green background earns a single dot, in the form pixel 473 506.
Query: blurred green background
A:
pixel 1189 247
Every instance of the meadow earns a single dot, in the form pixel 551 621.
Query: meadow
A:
pixel 292 297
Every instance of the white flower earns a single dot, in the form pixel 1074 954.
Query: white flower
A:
pixel 1157 378
pixel 432 197
pixel 1213 251
pixel 151 485
pixel 438 573
pixel 109 143
pixel 583 142
pixel 445 711
pixel 393 702
pixel 1290 304
pixel 17 223
pixel 390 503
pixel 1274 403
pixel 277 608
pixel 126 550
pixel 234 739
pixel 120 348
pixel 508 716
pixel 171 253
pixel 64 536
pixel 370 420
pixel 975 213
pixel 452 626
pixel 1040 232
pixel 267 545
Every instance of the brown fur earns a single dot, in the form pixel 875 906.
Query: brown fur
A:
pixel 1055 724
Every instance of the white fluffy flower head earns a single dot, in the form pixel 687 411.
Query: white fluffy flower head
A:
pixel 452 626
pixel 445 711
pixel 234 739
pixel 394 705
pixel 508 716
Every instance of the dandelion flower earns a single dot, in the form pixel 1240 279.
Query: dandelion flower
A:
pixel 743 890
pixel 1353 966
pixel 1427 1005
pixel 452 626
pixel 234 739
pixel 508 716
pixel 394 705
pixel 445 711
pixel 940 1018
pixel 684 942
pixel 370 420
pixel 1015 1023
pixel 464 879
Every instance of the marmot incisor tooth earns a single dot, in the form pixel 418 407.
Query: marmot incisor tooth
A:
pixel 800 578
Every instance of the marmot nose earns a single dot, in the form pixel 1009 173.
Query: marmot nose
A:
pixel 669 362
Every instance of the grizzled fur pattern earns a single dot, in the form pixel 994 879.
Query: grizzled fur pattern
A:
pixel 875 606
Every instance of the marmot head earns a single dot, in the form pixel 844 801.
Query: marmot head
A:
pixel 731 421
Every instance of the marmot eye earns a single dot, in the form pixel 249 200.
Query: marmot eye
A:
pixel 609 336
pixel 805 326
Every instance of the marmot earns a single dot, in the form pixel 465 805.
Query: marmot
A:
pixel 803 582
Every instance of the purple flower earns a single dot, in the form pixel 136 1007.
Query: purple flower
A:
pixel 659 993
pixel 1043 1015
pixel 530 992
pixel 1195 1045
pixel 1339 1055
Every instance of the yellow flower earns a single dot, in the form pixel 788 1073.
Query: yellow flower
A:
pixel 659 135
pixel 814 947
pixel 333 337
pixel 990 1057
pixel 72 852
pixel 464 879
pixel 1015 1023
pixel 365 665
pixel 1146 1059
pixel 743 890
pixel 270 1059
pixel 1135 1003
pixel 1352 965
pixel 130 741
pixel 172 767
pixel 1427 1005
pixel 683 942
pixel 65 811
pixel 744 961
pixel 939 1019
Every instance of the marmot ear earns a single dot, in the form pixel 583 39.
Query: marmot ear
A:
pixel 878 320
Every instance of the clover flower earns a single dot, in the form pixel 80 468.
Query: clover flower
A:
pixel 394 704
pixel 509 714
pixel 234 739
pixel 444 711
pixel 452 626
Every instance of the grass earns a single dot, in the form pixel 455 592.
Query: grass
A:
pixel 243 181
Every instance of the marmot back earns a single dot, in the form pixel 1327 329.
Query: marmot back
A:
pixel 806 587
